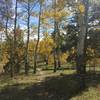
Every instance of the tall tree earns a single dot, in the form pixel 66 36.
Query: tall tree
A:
pixel 82 22
pixel 39 25
pixel 27 6
pixel 59 14
pixel 14 41
pixel 28 35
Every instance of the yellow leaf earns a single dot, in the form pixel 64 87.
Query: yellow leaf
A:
pixel 81 8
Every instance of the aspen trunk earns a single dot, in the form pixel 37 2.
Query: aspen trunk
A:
pixel 27 42
pixel 36 47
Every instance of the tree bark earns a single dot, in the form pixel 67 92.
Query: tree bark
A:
pixel 81 45
pixel 27 42
pixel 55 62
pixel 14 43
pixel 81 49
pixel 37 43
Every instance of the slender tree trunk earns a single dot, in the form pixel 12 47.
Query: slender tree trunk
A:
pixel 27 42
pixel 81 69
pixel 46 60
pixel 81 66
pixel 58 45
pixel 55 37
pixel 9 66
pixel 55 62
pixel 6 30
pixel 0 47
pixel 81 46
pixel 36 47
pixel 59 63
pixel 14 43
pixel 58 49
pixel 55 49
pixel 86 25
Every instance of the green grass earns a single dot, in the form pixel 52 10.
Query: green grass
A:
pixel 91 94
pixel 46 85
pixel 6 80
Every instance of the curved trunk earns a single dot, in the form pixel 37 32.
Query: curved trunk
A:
pixel 36 47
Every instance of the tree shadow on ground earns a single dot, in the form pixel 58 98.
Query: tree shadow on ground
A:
pixel 62 87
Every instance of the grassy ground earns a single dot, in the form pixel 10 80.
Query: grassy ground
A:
pixel 92 93
pixel 46 85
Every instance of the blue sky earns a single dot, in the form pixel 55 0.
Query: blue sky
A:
pixel 33 20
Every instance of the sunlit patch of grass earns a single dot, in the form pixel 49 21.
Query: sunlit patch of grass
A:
pixel 6 80
pixel 69 71
pixel 91 94
pixel 62 84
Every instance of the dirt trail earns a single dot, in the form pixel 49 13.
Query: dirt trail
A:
pixel 41 74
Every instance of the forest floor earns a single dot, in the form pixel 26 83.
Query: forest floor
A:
pixel 46 85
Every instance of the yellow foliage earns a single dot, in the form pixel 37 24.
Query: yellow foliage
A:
pixel 56 14
pixel 90 52
pixel 5 58
pixel 73 50
pixel 81 8
pixel 51 60
pixel 63 57
pixel 46 45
